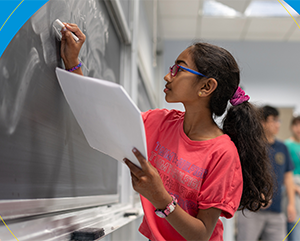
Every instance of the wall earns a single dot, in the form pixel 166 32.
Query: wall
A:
pixel 285 117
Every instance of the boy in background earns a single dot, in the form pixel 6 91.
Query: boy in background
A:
pixel 293 145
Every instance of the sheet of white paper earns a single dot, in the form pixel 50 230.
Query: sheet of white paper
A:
pixel 109 119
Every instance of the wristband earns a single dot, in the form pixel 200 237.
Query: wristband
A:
pixel 76 67
pixel 169 209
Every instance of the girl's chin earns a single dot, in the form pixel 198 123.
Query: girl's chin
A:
pixel 170 101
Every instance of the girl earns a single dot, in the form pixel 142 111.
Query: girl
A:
pixel 196 172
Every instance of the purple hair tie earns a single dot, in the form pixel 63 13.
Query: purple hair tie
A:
pixel 239 97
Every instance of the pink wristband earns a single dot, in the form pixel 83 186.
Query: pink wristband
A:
pixel 76 67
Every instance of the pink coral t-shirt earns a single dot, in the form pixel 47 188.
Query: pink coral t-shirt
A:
pixel 200 174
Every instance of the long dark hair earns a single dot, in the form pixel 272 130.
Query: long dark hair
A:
pixel 242 123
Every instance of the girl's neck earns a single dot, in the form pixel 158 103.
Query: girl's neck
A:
pixel 199 125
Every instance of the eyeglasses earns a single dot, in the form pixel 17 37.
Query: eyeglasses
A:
pixel 175 68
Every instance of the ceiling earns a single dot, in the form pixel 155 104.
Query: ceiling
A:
pixel 186 19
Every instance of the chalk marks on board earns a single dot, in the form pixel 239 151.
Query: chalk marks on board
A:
pixel 41 29
pixel 12 99
pixel 43 151
pixel 93 21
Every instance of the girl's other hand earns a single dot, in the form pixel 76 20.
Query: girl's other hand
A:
pixel 69 47
pixel 147 181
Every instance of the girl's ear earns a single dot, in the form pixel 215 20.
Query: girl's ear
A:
pixel 208 86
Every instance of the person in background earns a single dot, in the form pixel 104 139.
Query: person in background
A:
pixel 270 223
pixel 293 145
pixel 194 171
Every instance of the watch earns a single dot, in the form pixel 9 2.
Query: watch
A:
pixel 170 208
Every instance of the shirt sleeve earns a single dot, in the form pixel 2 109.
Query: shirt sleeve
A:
pixel 223 185
pixel 289 163
pixel 146 114
pixel 154 117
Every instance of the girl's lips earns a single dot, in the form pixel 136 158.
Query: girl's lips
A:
pixel 166 90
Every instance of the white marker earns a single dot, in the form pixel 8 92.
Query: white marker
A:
pixel 58 22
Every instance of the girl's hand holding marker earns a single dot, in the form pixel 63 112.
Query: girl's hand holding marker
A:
pixel 71 42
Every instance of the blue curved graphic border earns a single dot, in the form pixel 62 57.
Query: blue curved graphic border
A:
pixel 13 15
pixel 295 4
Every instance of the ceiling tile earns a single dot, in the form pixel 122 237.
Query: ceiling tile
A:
pixel 181 28
pixel 270 25
pixel 238 5
pixel 229 28
pixel 268 29
pixel 295 36
pixel 179 8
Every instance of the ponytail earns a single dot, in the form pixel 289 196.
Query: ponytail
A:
pixel 242 123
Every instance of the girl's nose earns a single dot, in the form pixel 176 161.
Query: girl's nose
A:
pixel 167 77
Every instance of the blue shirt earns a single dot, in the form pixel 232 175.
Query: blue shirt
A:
pixel 281 162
